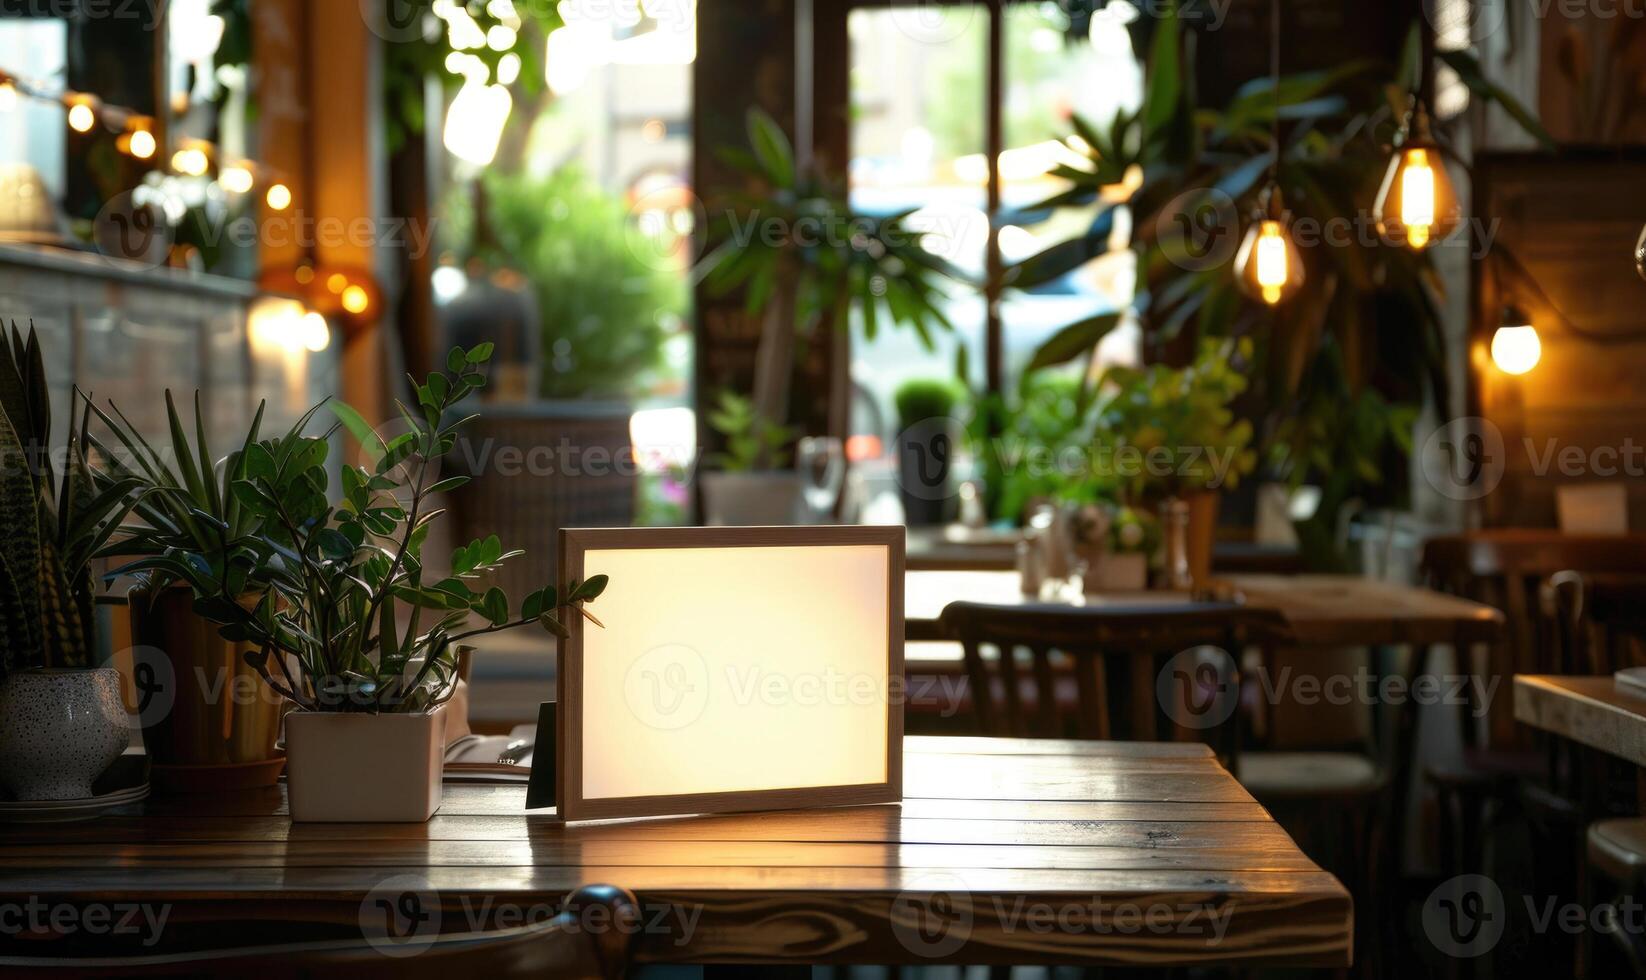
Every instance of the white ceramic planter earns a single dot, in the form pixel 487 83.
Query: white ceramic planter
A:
pixel 358 768
pixel 59 731
pixel 761 499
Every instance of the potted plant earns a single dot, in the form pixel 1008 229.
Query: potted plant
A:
pixel 741 490
pixel 928 436
pixel 1174 442
pixel 804 260
pixel 216 725
pixel 1117 545
pixel 62 721
pixel 354 630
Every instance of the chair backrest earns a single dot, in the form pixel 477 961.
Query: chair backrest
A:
pixel 1599 620
pixel 1093 671
pixel 1508 569
pixel 588 940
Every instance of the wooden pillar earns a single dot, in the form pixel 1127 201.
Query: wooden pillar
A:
pixel 319 88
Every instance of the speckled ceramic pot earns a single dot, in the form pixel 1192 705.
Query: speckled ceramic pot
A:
pixel 59 731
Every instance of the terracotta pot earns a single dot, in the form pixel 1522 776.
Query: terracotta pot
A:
pixel 1202 533
pixel 59 731
pixel 209 721
pixel 360 768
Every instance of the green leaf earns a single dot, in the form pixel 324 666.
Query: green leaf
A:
pixel 1072 341
pixel 495 606
pixel 772 148
pixel 481 353
pixel 359 428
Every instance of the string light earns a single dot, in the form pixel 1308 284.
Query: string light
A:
pixel 236 179
pixel 356 300
pixel 81 116
pixel 337 282
pixel 191 162
pixel 278 197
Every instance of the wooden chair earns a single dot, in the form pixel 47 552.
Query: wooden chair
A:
pixel 1513 570
pixel 589 940
pixel 1090 671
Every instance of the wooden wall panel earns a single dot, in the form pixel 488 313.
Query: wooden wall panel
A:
pixel 1571 221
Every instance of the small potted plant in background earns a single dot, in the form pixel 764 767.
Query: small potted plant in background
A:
pixel 1175 431
pixel 366 738
pixel 928 437
pixel 62 720
pixel 211 735
pixel 751 483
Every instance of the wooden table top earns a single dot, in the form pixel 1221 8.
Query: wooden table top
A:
pixel 1321 610
pixel 1590 710
pixel 1148 853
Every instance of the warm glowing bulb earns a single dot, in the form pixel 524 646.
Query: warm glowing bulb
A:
pixel 8 96
pixel 1417 197
pixel 191 162
pixel 314 332
pixel 1267 266
pixel 356 300
pixel 279 197
pixel 337 282
pixel 81 117
pixel 142 144
pixel 236 179
pixel 1516 350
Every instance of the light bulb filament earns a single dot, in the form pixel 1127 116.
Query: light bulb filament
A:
pixel 1272 262
pixel 1417 197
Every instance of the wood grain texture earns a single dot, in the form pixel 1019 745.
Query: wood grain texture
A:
pixel 1590 710
pixel 1319 610
pixel 1004 851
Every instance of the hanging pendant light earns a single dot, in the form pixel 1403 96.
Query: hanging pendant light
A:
pixel 1268 267
pixel 1417 204
pixel 1640 254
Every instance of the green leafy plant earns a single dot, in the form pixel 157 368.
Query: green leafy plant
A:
pixel 339 575
pixel 752 442
pixel 803 258
pixel 1178 424
pixel 1133 530
pixel 1024 442
pixel 54 524
pixel 605 311
pixel 926 398
pixel 1368 316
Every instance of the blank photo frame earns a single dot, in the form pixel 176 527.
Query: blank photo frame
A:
pixel 737 669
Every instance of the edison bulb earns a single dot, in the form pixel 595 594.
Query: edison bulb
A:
pixel 1268 266
pixel 1640 254
pixel 1417 204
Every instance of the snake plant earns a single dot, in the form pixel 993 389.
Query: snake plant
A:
pixel 54 523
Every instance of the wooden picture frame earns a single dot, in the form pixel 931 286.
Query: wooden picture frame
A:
pixel 844 545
